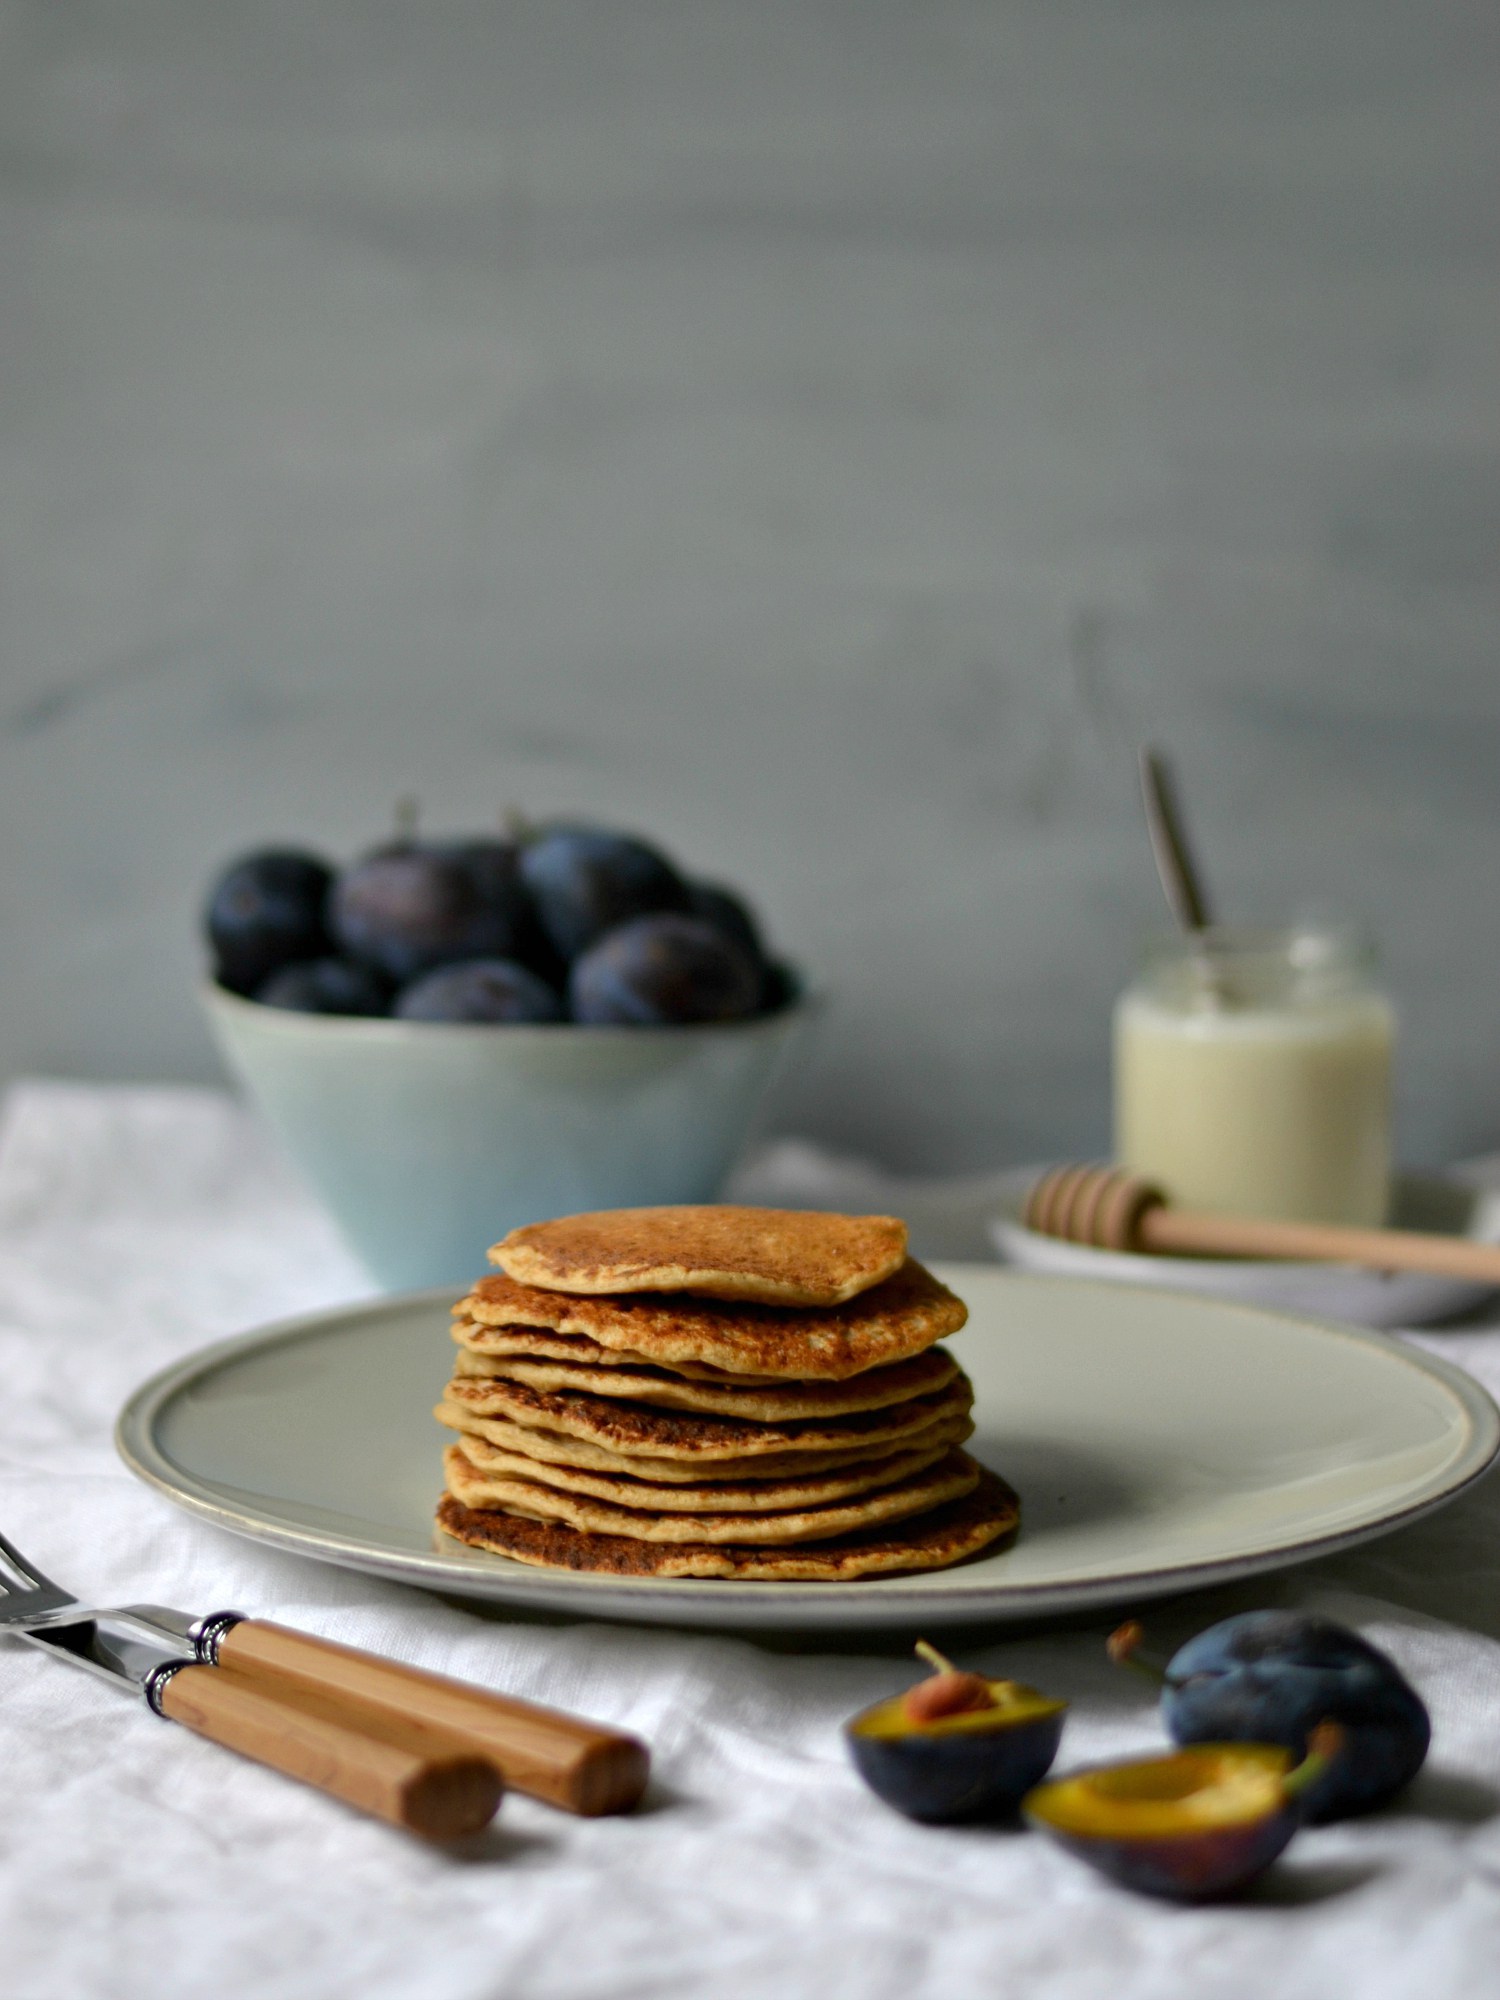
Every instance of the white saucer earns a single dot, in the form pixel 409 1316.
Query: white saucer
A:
pixel 1327 1291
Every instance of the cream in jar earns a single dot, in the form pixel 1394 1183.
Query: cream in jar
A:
pixel 1252 1075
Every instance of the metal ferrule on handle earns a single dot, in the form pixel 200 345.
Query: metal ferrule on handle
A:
pixel 207 1634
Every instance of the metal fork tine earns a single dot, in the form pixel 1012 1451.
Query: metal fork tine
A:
pixel 30 1602
pixel 21 1571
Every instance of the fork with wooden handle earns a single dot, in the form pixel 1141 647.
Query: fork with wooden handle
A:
pixel 1111 1209
pixel 426 1752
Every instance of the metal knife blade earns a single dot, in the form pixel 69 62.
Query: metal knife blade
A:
pixel 128 1651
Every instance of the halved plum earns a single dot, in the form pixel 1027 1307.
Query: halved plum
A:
pixel 1195 1824
pixel 956 1746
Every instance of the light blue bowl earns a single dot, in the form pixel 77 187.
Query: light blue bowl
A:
pixel 428 1141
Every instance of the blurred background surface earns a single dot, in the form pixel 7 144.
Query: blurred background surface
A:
pixel 826 438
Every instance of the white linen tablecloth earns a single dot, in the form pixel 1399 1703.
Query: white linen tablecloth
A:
pixel 136 1224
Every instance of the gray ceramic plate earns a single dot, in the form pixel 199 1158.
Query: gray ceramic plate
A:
pixel 1158 1442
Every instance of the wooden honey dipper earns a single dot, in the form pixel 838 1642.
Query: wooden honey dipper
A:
pixel 1110 1208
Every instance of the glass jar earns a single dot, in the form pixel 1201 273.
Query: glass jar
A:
pixel 1252 1074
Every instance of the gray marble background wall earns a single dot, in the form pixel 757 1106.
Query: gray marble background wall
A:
pixel 826 435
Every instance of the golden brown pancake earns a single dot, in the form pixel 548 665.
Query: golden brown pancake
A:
pixel 780 1256
pixel 558 1449
pixel 953 1474
pixel 900 1316
pixel 742 1496
pixel 981 1519
pixel 535 1343
pixel 761 1402
pixel 632 1429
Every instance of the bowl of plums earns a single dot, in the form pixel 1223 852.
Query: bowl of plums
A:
pixel 451 1037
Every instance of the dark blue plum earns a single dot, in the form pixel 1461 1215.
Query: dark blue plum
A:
pixel 727 912
pixel 265 911
pixel 1271 1676
pixel 494 868
pixel 480 989
pixel 779 987
pixel 497 870
pixel 585 881
pixel 326 986
pixel 664 971
pixel 407 909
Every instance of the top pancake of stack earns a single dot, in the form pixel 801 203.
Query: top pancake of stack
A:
pixel 772 1293
pixel 778 1256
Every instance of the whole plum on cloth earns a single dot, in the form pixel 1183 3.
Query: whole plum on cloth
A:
pixel 1272 1676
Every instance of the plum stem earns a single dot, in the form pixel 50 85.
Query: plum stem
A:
pixel 939 1662
pixel 1324 1743
pixel 407 813
pixel 1123 1645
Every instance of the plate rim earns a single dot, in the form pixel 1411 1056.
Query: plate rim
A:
pixel 855 1604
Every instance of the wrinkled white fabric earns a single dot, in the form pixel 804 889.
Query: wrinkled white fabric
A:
pixel 142 1864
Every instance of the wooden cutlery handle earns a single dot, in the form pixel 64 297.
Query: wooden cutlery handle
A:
pixel 581 1766
pixel 439 1792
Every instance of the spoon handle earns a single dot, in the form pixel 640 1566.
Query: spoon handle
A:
pixel 1181 882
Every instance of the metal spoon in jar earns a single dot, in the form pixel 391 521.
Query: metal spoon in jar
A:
pixel 1180 878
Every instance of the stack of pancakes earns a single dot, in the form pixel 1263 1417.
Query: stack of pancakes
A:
pixel 714 1392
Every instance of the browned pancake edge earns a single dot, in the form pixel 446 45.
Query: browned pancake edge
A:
pixel 636 1428
pixel 902 1315
pixel 756 1402
pixel 985 1519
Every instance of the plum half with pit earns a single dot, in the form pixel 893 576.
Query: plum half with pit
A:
pixel 265 911
pixel 411 907
pixel 664 971
pixel 1199 1823
pixel 479 990
pixel 956 1746
pixel 584 881
pixel 1271 1677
